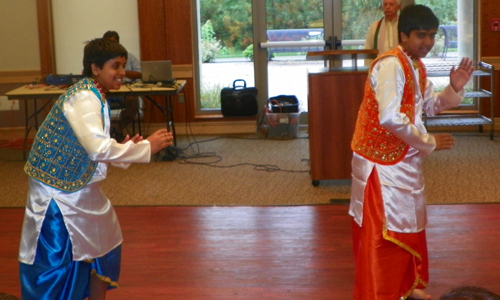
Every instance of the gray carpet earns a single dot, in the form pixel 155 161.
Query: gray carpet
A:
pixel 251 170
pixel 468 173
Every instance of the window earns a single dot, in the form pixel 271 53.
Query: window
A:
pixel 228 30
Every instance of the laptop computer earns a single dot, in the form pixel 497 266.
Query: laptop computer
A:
pixel 158 71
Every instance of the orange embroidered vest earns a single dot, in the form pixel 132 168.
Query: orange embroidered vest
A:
pixel 371 140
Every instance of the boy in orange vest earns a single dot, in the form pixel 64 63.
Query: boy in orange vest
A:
pixel 389 144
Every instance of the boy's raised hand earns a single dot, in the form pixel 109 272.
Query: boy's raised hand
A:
pixel 461 75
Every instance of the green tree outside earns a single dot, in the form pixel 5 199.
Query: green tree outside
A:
pixel 286 14
pixel 231 20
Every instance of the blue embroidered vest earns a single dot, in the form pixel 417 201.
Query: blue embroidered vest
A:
pixel 56 157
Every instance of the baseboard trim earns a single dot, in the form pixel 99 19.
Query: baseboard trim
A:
pixel 206 128
pixel 236 127
pixel 22 76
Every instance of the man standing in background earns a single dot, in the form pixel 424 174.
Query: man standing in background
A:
pixel 383 33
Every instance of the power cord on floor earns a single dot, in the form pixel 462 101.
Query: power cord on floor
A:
pixel 200 158
pixel 192 154
pixel 170 153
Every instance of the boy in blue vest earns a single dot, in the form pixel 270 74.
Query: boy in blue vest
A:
pixel 71 239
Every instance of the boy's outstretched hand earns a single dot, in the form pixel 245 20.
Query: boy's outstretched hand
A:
pixel 461 75
pixel 159 140
pixel 135 139
pixel 444 141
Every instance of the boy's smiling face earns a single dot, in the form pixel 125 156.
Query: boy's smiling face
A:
pixel 419 43
pixel 110 77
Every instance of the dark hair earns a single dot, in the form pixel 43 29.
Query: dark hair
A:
pixel 111 34
pixel 470 293
pixel 416 17
pixel 99 51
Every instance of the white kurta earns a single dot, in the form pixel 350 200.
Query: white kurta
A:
pixel 402 184
pixel 387 35
pixel 88 214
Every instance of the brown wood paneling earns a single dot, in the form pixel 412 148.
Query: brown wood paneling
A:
pixel 165 33
pixel 490 40
pixel 152 29
pixel 45 37
pixel 179 31
pixel 165 30
pixel 489 45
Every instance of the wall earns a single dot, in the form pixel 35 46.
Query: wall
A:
pixel 75 22
pixel 72 24
pixel 19 51
pixel 19 36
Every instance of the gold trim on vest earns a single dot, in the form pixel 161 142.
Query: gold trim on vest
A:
pixel 373 141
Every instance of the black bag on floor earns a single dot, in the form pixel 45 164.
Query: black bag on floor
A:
pixel 239 101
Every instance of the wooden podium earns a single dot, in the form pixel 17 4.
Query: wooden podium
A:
pixel 335 93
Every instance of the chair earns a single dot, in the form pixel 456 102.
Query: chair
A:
pixel 125 111
pixel 446 43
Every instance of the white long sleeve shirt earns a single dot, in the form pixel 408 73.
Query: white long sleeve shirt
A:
pixel 402 184
pixel 88 214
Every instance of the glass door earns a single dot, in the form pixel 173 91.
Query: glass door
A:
pixel 455 39
pixel 293 28
pixel 230 34
pixel 265 42
pixel 225 49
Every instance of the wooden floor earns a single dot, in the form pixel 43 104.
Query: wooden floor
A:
pixel 299 252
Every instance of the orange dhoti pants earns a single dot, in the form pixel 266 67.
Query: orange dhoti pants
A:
pixel 389 265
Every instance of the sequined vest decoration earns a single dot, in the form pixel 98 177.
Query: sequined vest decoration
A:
pixel 56 157
pixel 371 140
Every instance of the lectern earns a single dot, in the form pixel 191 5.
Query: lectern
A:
pixel 335 93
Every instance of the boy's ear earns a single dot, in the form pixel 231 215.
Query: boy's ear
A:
pixel 402 37
pixel 95 69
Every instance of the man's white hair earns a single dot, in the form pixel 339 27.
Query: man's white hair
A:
pixel 397 1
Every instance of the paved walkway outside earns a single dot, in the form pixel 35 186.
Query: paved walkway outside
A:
pixel 287 75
